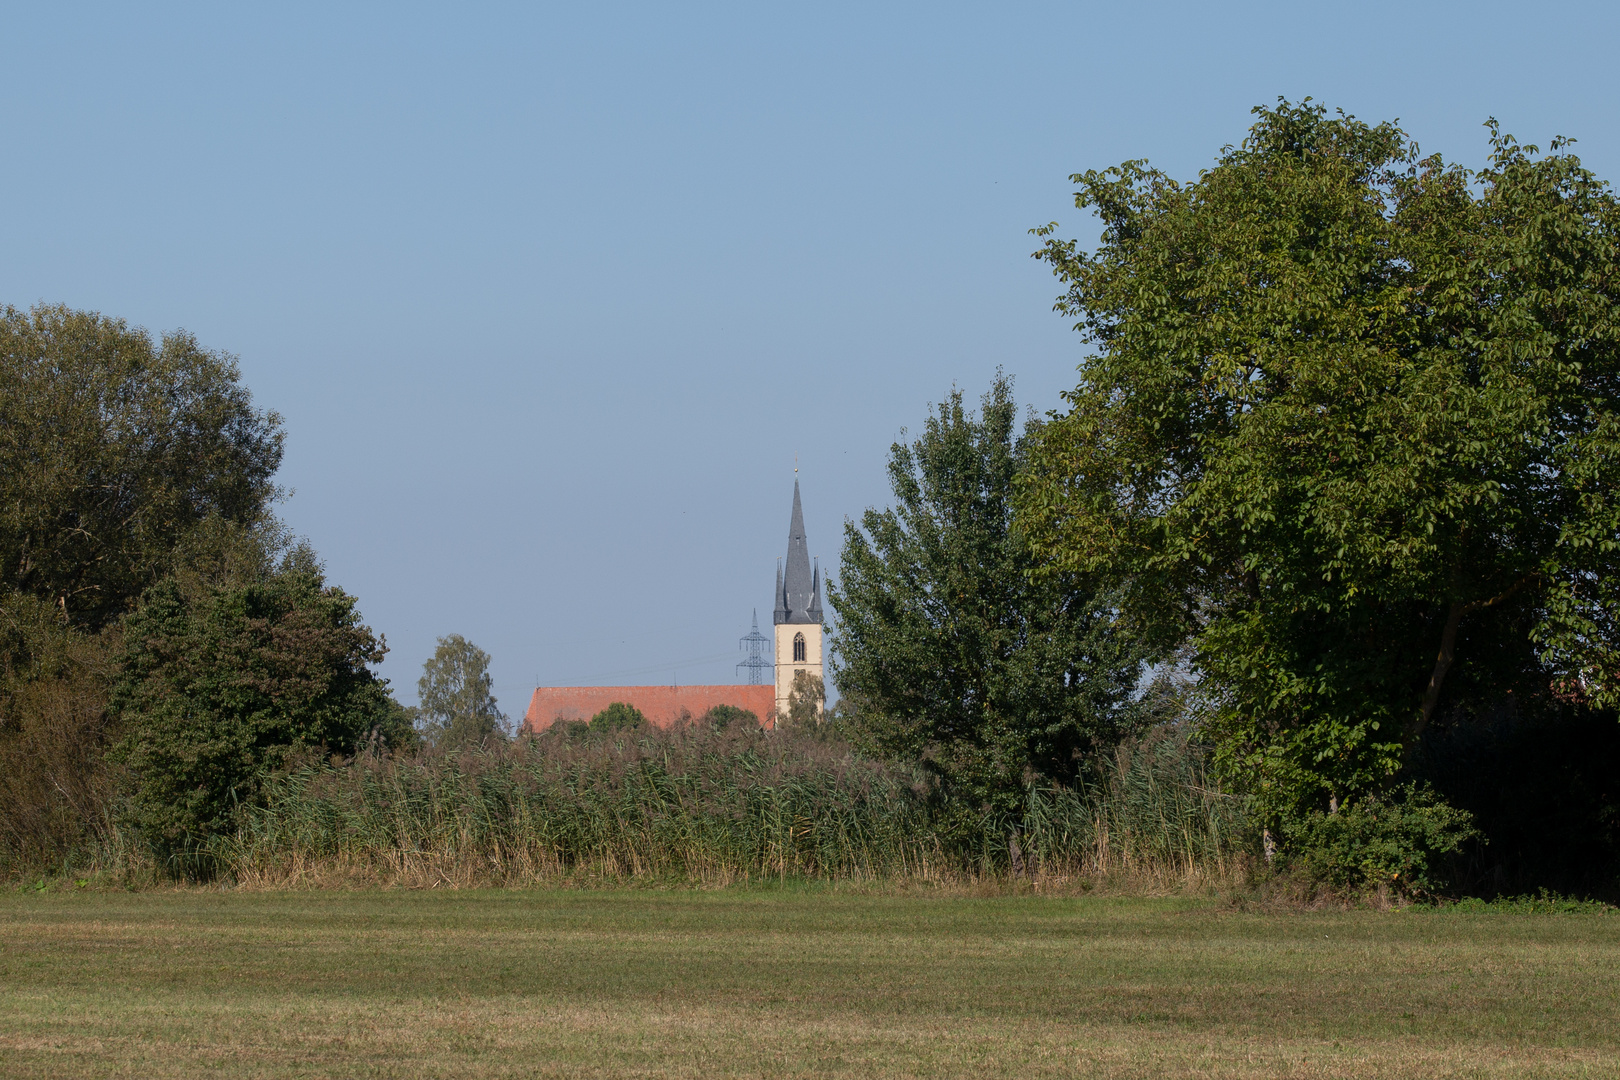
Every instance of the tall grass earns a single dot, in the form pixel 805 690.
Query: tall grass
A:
pixel 711 806
pixel 1148 810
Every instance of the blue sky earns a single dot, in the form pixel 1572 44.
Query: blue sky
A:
pixel 550 296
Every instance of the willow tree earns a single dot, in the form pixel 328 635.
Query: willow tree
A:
pixel 1349 433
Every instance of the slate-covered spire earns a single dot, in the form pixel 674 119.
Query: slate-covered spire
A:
pixel 781 615
pixel 798 586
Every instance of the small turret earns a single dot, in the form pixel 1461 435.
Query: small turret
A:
pixel 814 610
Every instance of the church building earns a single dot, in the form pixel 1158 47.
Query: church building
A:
pixel 798 611
pixel 798 648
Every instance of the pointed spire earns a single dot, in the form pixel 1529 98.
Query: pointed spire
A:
pixel 797 584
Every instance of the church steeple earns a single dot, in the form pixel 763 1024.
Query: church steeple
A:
pixel 798 615
pixel 798 589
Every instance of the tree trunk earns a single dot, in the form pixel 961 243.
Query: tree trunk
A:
pixel 1442 664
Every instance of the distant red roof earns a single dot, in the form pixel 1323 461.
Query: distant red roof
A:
pixel 662 705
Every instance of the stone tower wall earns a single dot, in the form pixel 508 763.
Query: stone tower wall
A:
pixel 785 665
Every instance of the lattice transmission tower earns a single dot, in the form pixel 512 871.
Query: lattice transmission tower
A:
pixel 756 660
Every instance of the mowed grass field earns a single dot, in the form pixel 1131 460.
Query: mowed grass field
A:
pixel 812 983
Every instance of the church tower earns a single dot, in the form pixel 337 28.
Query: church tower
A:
pixel 798 611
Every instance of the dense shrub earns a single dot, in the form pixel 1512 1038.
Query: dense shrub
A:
pixel 1407 843
pixel 214 691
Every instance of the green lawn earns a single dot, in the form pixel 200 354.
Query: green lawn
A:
pixel 795 983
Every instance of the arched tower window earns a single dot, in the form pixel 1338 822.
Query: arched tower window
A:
pixel 798 648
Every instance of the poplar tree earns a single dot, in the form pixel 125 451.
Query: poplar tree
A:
pixel 948 650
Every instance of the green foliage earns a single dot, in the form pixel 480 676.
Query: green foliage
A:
pixel 55 787
pixel 1404 844
pixel 456 706
pixel 949 648
pixel 112 451
pixel 215 691
pixel 617 717
pixel 721 717
pixel 1544 902
pixel 1149 802
pixel 1350 433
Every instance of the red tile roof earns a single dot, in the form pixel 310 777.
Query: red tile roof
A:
pixel 662 705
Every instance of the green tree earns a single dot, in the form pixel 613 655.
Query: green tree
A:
pixel 948 648
pixel 456 705
pixel 1349 433
pixel 214 691
pixel 616 717
pixel 113 450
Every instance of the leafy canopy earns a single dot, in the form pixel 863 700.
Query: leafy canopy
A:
pixel 1350 431
pixel 113 450
pixel 947 648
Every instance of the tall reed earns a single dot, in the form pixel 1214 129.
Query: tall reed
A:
pixel 697 804
pixel 1147 809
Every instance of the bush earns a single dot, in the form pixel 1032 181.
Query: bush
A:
pixel 1405 844
pixel 216 691
pixel 689 803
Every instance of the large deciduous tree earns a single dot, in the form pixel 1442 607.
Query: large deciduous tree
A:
pixel 113 449
pixel 1351 430
pixel 947 650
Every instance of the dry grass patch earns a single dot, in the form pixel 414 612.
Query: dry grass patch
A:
pixel 791 983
